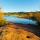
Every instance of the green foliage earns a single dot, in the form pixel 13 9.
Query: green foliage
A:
pixel 3 22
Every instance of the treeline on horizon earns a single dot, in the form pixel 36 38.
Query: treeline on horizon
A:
pixel 24 14
pixel 21 12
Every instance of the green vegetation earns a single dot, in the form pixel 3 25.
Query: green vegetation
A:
pixel 3 22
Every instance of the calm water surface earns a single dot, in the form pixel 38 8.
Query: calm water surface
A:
pixel 14 19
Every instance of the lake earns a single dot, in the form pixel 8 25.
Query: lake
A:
pixel 14 19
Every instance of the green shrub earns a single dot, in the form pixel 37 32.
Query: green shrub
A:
pixel 3 22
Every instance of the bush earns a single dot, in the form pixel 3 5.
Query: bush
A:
pixel 3 22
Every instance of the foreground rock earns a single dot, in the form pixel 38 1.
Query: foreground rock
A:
pixel 12 32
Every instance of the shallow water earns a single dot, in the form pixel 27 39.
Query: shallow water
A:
pixel 14 19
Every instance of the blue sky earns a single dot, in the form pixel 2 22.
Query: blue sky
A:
pixel 20 5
